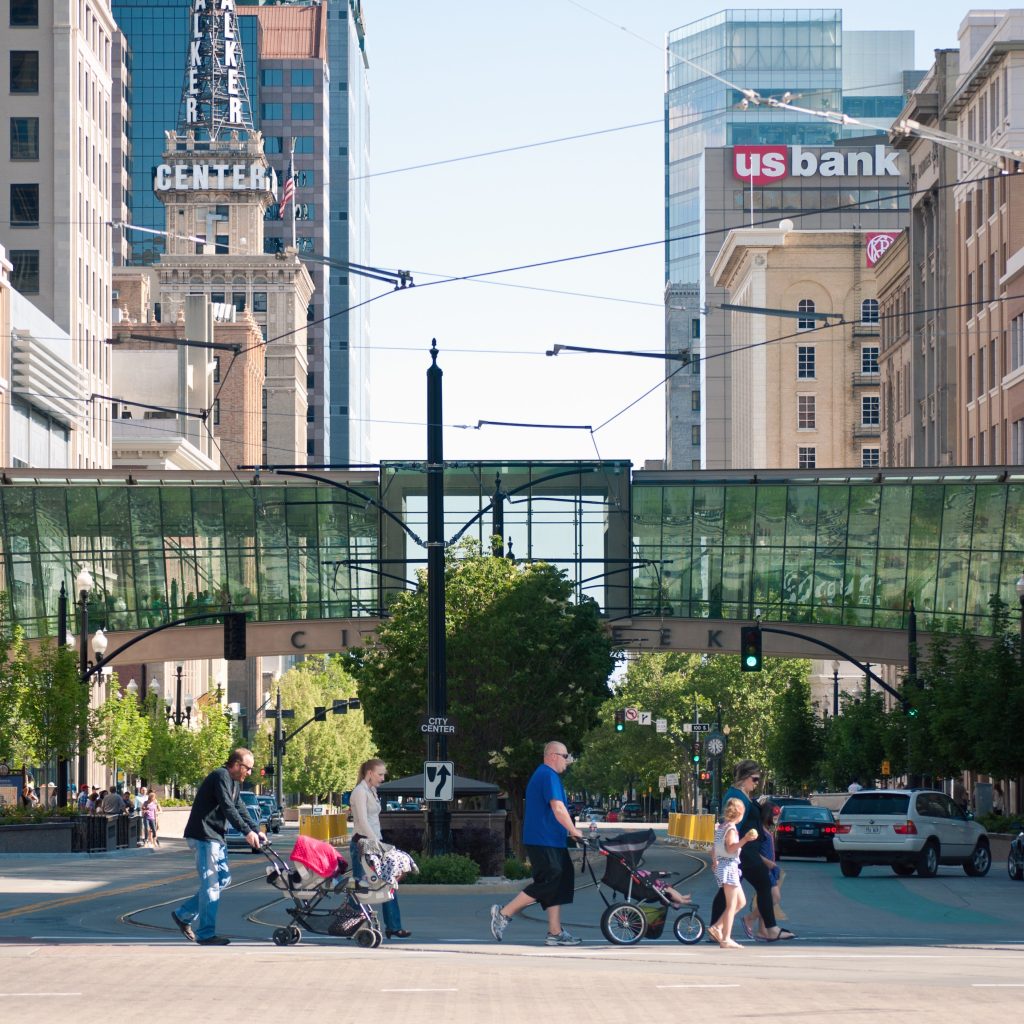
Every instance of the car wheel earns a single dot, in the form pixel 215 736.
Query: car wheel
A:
pixel 980 860
pixel 1013 867
pixel 623 924
pixel 928 860
pixel 903 870
pixel 849 868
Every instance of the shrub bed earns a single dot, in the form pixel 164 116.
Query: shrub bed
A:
pixel 451 869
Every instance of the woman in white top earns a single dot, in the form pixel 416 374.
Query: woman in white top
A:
pixel 365 806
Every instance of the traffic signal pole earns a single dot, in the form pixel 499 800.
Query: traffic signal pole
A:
pixel 278 753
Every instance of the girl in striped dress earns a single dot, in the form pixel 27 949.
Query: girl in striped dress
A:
pixel 726 865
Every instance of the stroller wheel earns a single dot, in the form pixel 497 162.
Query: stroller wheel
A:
pixel 623 924
pixel 689 928
pixel 368 938
pixel 280 937
pixel 378 937
pixel 294 936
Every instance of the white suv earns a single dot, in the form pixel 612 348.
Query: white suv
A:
pixel 908 829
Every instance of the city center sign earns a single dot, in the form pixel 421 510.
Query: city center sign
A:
pixel 763 165
pixel 201 177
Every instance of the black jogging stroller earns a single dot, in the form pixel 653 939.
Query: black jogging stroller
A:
pixel 644 910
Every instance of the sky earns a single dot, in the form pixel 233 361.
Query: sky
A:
pixel 470 76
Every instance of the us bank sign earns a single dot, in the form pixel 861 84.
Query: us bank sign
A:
pixel 763 165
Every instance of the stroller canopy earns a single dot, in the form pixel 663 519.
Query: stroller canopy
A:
pixel 630 846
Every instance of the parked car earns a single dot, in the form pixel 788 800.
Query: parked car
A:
pixel 630 812
pixel 234 838
pixel 805 832
pixel 1015 858
pixel 910 830
pixel 411 805
pixel 272 813
pixel 592 814
pixel 612 814
pixel 785 801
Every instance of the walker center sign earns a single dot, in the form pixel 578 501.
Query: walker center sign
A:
pixel 220 177
pixel 763 165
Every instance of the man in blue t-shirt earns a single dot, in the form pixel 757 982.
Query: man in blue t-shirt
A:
pixel 546 823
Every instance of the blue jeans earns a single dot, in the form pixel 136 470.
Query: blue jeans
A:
pixel 389 911
pixel 214 875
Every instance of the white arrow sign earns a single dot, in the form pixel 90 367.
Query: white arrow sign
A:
pixel 439 780
pixel 646 717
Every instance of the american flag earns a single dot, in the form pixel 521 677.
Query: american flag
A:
pixel 288 194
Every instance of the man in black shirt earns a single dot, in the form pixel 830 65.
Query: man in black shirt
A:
pixel 217 802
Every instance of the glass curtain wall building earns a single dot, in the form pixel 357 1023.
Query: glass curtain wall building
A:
pixel 332 151
pixel 774 52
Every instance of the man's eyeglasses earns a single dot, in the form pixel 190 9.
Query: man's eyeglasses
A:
pixel 557 753
pixel 248 767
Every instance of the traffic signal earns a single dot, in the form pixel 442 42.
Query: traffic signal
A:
pixel 750 648
pixel 620 719
pixel 234 636
pixel 705 776
pixel 908 709
pixel 268 771
pixel 263 773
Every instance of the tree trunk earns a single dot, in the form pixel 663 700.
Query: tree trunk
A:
pixel 516 796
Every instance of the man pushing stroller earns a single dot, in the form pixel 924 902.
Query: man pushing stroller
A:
pixel 546 824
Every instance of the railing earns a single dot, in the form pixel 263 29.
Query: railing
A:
pixel 866 379
pixel 99 833
pixel 866 430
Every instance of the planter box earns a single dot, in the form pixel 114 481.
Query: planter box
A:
pixel 44 837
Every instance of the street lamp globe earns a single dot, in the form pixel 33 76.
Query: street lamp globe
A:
pixel 99 643
pixel 189 701
pixel 132 688
pixel 154 688
pixel 1020 587
pixel 84 581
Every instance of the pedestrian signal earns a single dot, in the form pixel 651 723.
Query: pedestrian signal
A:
pixel 267 771
pixel 234 636
pixel 750 648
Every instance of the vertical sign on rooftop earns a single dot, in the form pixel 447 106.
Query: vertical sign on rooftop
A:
pixel 214 95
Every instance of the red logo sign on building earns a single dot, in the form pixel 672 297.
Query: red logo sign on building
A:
pixel 876 244
pixel 759 165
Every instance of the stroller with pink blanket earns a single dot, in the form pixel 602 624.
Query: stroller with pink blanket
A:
pixel 316 873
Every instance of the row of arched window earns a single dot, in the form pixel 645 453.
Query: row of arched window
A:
pixel 868 313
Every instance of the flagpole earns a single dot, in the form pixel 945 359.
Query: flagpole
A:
pixel 291 168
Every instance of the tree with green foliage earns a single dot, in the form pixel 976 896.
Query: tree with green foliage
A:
pixel 856 741
pixel 794 745
pixel 119 733
pixel 197 751
pixel 325 757
pixel 526 663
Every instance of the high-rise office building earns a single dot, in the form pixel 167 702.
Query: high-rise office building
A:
pixel 773 52
pixel 56 62
pixel 306 70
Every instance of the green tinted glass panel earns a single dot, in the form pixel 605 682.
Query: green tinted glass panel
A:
pixel 926 516
pixel 801 517
pixel 708 515
pixel 957 517
pixel 894 520
pixel 864 516
pixel 771 515
pixel 989 518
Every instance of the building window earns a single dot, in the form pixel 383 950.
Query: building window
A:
pixel 869 415
pixel 24 138
pixel 272 245
pixel 695 364
pixel 305 211
pixel 273 144
pixel 302 76
pixel 869 457
pixel 869 359
pixel 805 323
pixel 25 205
pixel 238 301
pixel 216 296
pixel 1017 342
pixel 272 76
pixel 216 412
pixel 695 401
pixel 807 457
pixel 220 245
pixel 259 302
pixel 805 419
pixel 311 379
pixel 869 311
pixel 310 414
pixel 24 71
pixel 24 13
pixel 695 435
pixel 216 369
pixel 302 112
pixel 310 313
pixel 695 327
pixel 304 144
pixel 271 111
pixel 25 275
pixel 1017 441
pixel 805 362
pixel 264 395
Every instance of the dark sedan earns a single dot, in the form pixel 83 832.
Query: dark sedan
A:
pixel 805 832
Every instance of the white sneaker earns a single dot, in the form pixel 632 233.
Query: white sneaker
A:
pixel 563 938
pixel 499 922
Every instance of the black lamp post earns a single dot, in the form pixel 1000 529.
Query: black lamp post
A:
pixel 84 584
pixel 835 689
pixel 180 715
pixel 1020 597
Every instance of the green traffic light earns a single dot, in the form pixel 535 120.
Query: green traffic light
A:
pixel 619 727
pixel 751 660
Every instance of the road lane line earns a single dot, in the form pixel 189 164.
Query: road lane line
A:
pixel 419 990
pixel 23 995
pixel 69 901
pixel 997 984
pixel 696 986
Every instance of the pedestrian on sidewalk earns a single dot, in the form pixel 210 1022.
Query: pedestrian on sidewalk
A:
pixel 150 816
pixel 725 862
pixel 546 824
pixel 217 802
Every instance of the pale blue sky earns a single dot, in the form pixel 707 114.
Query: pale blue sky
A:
pixel 466 76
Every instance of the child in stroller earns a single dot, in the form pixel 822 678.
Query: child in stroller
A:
pixel 317 871
pixel 648 895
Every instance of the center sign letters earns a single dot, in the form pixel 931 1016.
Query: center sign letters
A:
pixel 763 165
pixel 225 10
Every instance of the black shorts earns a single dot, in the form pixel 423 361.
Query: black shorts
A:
pixel 552 884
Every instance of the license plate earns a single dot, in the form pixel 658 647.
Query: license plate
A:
pixel 808 832
pixel 872 829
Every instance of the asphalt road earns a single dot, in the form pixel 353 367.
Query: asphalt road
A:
pixel 90 939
